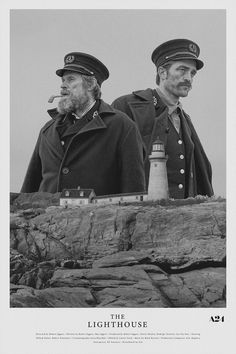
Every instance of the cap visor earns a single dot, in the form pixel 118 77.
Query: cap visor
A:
pixel 199 63
pixel 60 72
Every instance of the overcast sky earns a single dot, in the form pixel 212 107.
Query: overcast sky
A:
pixel 123 40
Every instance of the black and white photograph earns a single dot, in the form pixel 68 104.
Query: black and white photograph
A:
pixel 117 180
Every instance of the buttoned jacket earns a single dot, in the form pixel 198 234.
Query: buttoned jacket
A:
pixel 105 155
pixel 152 121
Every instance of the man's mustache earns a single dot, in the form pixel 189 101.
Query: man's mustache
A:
pixel 185 84
pixel 65 93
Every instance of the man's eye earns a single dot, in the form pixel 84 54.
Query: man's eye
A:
pixel 69 79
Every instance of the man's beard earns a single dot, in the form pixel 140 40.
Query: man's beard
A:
pixel 70 103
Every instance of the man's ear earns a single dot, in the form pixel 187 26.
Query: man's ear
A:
pixel 162 72
pixel 92 84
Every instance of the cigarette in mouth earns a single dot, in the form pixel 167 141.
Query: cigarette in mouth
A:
pixel 51 99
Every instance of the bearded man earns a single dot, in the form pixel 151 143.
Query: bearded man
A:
pixel 158 113
pixel 86 143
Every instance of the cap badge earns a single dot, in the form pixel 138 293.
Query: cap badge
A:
pixel 193 48
pixel 69 59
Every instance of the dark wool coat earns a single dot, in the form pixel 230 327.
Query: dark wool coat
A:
pixel 105 155
pixel 153 122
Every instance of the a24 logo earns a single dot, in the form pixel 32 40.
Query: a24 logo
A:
pixel 217 319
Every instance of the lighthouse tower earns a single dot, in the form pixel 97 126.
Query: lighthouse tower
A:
pixel 158 183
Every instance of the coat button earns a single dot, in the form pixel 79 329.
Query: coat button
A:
pixel 180 142
pixel 65 170
pixel 182 171
pixel 62 142
pixel 181 157
pixel 180 186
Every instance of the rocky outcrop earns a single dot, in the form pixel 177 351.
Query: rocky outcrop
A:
pixel 169 254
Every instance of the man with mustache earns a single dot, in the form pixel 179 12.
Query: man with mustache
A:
pixel 87 143
pixel 158 113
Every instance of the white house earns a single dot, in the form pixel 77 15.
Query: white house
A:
pixel 120 198
pixel 77 196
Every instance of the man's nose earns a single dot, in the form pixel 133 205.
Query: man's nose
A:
pixel 188 76
pixel 63 85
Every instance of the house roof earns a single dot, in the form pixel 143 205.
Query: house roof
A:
pixel 77 193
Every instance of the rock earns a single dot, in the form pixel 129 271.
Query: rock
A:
pixel 19 265
pixel 118 260
pixel 76 234
pixel 197 237
pixel 133 255
pixel 198 288
pixel 13 196
pixel 59 297
pixel 26 272
pixel 113 287
pixel 70 278
pixel 33 200
pixel 150 286
pixel 207 284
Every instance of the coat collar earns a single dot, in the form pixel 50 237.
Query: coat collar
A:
pixel 151 95
pixel 104 108
pixel 145 95
pixel 96 123
pixel 50 129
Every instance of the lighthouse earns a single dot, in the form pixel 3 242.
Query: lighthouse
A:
pixel 158 183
